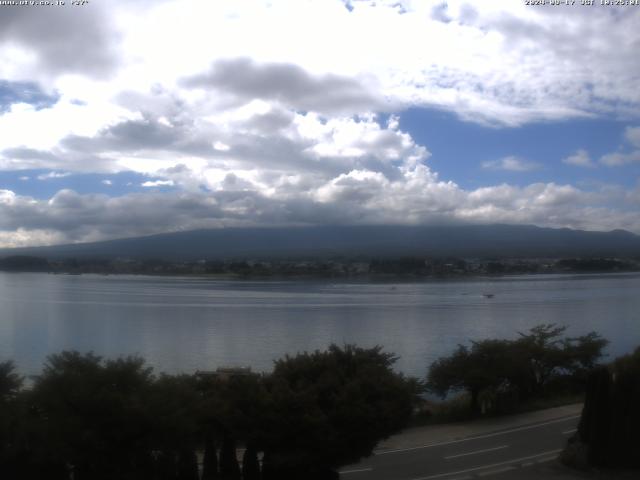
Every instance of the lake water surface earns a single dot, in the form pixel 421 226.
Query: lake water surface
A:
pixel 184 324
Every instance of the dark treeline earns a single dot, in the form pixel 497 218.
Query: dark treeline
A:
pixel 89 418
pixel 85 417
pixel 500 375
pixel 324 268
pixel 607 435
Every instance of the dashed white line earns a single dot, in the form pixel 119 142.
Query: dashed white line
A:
pixel 569 432
pixel 547 459
pixel 489 435
pixel 485 467
pixel 360 470
pixel 476 452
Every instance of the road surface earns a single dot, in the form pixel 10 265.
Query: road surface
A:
pixel 483 453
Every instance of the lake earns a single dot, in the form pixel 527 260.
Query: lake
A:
pixel 185 324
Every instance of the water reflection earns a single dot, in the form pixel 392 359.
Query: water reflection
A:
pixel 184 324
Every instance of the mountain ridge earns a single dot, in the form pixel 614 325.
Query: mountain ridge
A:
pixel 497 240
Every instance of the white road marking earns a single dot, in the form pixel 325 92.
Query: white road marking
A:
pixel 477 451
pixel 568 432
pixel 489 435
pixel 485 467
pixel 344 472
pixel 547 459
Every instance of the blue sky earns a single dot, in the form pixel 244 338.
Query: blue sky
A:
pixel 460 148
pixel 44 184
pixel 130 118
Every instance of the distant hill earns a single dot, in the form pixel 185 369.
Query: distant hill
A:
pixel 329 241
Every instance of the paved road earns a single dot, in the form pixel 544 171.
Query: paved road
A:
pixel 484 454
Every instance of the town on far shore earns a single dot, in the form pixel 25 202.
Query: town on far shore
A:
pixel 410 266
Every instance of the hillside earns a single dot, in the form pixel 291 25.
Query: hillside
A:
pixel 500 241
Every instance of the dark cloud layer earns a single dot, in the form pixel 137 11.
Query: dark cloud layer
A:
pixel 147 134
pixel 21 158
pixel 286 83
pixel 65 39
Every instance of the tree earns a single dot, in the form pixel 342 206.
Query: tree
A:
pixel 516 369
pixel 541 353
pixel 231 412
pixel 10 385
pixel 610 418
pixel 229 467
pixel 487 365
pixel 10 381
pixel 250 464
pixel 210 460
pixel 624 440
pixel 174 404
pixel 548 356
pixel 187 464
pixel 584 353
pixel 328 409
pixel 92 414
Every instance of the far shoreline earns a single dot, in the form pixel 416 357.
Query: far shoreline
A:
pixel 364 278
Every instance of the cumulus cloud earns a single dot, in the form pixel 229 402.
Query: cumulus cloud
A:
pixel 511 164
pixel 244 80
pixel 25 158
pixel 130 135
pixel 617 159
pixel 52 175
pixel 64 39
pixel 580 158
pixel 622 157
pixel 239 140
pixel 493 63
pixel 157 183
pixel 358 197
pixel 285 131
pixel 632 135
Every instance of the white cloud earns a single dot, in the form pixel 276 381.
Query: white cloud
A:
pixel 107 182
pixel 357 197
pixel 511 164
pixel 30 237
pixel 622 157
pixel 632 135
pixel 241 80
pixel 62 40
pixel 580 158
pixel 53 175
pixel 506 64
pixel 157 183
pixel 284 129
pixel 221 147
pixel 617 159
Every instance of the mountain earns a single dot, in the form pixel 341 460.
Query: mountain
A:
pixel 327 241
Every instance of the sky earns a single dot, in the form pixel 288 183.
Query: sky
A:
pixel 122 118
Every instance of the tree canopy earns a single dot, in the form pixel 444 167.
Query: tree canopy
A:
pixel 524 367
pixel 331 408
pixel 92 418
